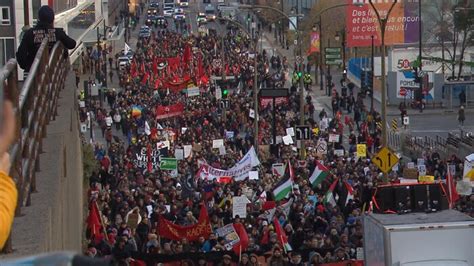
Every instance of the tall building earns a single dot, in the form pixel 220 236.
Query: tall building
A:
pixel 7 31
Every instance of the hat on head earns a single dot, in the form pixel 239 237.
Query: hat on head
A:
pixel 46 14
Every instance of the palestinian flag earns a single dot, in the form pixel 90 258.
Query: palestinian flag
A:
pixel 283 188
pixel 350 192
pixel 329 197
pixel 319 174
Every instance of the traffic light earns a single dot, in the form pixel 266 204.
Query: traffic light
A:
pixel 300 74
pixel 248 17
pixel 370 79
pixel 225 92
pixel 363 79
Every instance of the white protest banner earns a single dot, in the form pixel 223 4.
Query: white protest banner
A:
pixel 278 169
pixel 252 113
pixel 217 143
pixel 290 131
pixel 253 175
pixel 187 150
pixel 339 152
pixel 287 140
pixel 239 171
pixel 193 91
pixel 239 206
pixel 229 235
pixel 222 150
pixel 333 137
pixel 179 154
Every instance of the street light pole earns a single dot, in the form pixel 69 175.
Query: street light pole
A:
pixel 255 81
pixel 383 24
pixel 373 73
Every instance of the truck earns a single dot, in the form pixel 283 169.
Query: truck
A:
pixel 444 238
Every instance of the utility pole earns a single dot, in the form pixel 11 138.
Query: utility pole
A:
pixel 419 55
pixel 255 95
pixel 224 109
pixel 321 72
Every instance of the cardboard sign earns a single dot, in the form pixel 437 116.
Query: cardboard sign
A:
pixel 421 170
pixel 339 152
pixel 179 154
pixel 361 150
pixel 222 150
pixel 187 150
pixel 229 235
pixel 287 140
pixel 333 138
pixel 290 131
pixel 239 206
pixel 322 147
pixel 217 143
pixel 410 173
pixel 252 113
pixel 426 178
pixel 253 175
pixel 229 134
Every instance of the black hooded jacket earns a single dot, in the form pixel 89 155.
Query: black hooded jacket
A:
pixel 32 39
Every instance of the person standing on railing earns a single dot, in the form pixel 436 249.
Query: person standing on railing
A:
pixel 31 42
pixel 8 192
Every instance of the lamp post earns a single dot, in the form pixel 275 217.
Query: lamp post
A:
pixel 383 24
pixel 255 81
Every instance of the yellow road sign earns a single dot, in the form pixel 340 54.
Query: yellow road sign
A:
pixel 385 159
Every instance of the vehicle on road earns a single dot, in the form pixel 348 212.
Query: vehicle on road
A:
pixel 152 11
pixel 210 12
pixel 123 62
pixel 183 3
pixel 201 19
pixel 168 11
pixel 155 4
pixel 179 14
pixel 150 20
pixel 393 239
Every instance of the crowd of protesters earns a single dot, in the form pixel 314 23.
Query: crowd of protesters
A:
pixel 132 197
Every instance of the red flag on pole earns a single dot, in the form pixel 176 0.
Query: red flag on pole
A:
pixel 244 239
pixel 452 193
pixel 155 66
pixel 281 235
pixel 93 220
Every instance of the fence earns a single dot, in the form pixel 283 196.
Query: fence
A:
pixel 35 105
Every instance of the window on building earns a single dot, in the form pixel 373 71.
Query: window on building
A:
pixel 5 15
pixel 7 50
pixel 36 4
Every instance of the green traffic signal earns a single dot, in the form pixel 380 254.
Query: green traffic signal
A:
pixel 225 92
pixel 300 74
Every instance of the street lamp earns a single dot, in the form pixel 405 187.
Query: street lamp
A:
pixel 299 60
pixel 255 81
pixel 320 24
pixel 104 67
pixel 383 24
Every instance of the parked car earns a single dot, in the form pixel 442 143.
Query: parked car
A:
pixel 161 22
pixel 179 14
pixel 210 12
pixel 183 3
pixel 201 19
pixel 168 12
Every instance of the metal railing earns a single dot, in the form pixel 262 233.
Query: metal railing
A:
pixel 35 106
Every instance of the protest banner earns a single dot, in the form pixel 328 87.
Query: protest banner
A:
pixel 143 155
pixel 163 112
pixel 168 164
pixel 361 150
pixel 172 231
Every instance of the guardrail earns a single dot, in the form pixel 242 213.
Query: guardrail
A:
pixel 35 106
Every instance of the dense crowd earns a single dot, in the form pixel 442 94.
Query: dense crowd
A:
pixel 133 195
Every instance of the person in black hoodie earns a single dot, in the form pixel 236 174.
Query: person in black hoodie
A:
pixel 33 37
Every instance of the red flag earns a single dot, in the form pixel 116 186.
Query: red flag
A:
pixel 155 66
pixel 200 70
pixel 187 54
pixel 93 220
pixel 268 205
pixel 133 69
pixel 244 239
pixel 142 69
pixel 452 193
pixel 225 179
pixel 145 78
pixel 281 235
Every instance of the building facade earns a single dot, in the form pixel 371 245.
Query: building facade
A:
pixel 7 31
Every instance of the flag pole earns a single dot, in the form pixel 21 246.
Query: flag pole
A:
pixel 240 252
pixel 101 222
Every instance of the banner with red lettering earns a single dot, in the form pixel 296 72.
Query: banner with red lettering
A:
pixel 172 231
pixel 163 112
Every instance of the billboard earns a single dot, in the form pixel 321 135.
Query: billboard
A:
pixel 362 23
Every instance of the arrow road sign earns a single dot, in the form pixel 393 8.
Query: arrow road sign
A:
pixel 385 159
pixel 303 132
pixel 224 104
